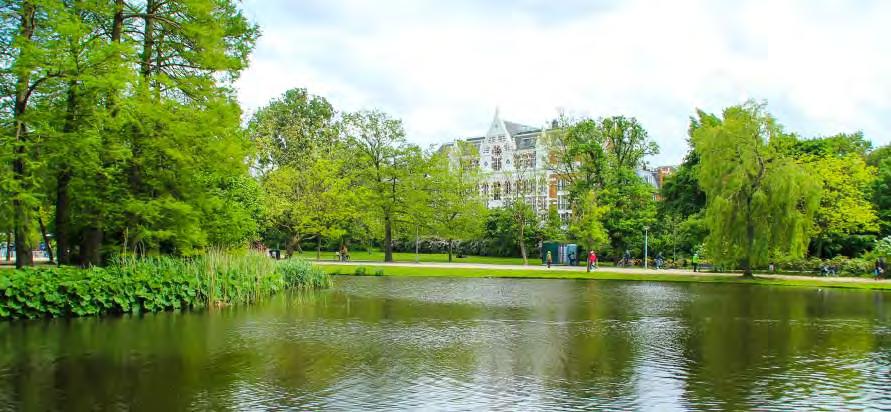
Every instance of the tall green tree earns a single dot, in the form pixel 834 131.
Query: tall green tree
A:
pixel 390 169
pixel 758 199
pixel 881 191
pixel 845 208
pixel 305 168
pixel 604 155
pixel 455 209
pixel 587 222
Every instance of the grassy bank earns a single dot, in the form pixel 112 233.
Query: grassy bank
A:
pixel 378 256
pixel 597 275
pixel 150 285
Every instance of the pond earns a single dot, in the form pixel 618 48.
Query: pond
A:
pixel 494 344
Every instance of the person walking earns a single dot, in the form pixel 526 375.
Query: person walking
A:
pixel 695 261
pixel 880 268
pixel 659 260
pixel 626 258
pixel 549 259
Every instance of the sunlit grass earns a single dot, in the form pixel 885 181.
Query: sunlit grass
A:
pixel 596 275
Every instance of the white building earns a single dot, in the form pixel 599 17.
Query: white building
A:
pixel 513 160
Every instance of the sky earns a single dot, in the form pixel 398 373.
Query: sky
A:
pixel 822 67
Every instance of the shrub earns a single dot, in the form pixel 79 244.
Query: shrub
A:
pixel 379 272
pixel 360 271
pixel 130 285
pixel 301 274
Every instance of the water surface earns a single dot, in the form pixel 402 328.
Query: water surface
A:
pixel 433 343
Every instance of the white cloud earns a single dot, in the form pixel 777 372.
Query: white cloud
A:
pixel 824 67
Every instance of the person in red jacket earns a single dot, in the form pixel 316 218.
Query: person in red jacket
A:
pixel 592 260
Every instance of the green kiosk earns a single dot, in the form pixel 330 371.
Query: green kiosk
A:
pixel 561 253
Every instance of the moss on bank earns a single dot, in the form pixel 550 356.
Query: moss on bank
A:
pixel 597 275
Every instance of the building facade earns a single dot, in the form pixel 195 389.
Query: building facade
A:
pixel 513 161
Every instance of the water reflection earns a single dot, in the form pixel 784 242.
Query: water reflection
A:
pixel 469 344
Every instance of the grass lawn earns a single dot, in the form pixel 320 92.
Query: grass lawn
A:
pixel 598 275
pixel 378 256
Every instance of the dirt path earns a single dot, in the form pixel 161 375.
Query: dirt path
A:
pixel 636 270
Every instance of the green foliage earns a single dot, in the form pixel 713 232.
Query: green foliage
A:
pixel 502 228
pixel 603 156
pixel 108 138
pixel 552 227
pixel 758 199
pixel 301 274
pixel 587 223
pixel 453 208
pixel 882 247
pixel 845 204
pixel 881 160
pixel 130 285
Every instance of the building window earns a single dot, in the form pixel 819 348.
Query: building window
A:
pixel 496 191
pixel 562 202
pixel 507 188
pixel 485 190
pixel 496 151
pixel 496 164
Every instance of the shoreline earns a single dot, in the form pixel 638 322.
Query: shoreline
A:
pixel 642 275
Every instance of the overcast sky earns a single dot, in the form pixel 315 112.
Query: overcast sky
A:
pixel 443 66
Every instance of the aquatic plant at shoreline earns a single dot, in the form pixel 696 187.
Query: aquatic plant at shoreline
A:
pixel 138 285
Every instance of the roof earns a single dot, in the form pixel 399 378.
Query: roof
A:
pixel 516 128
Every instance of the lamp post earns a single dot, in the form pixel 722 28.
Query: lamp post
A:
pixel 646 239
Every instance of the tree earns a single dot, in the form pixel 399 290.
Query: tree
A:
pixel 455 208
pixel 389 168
pixel 315 202
pixel 106 137
pixel 845 204
pixel 881 160
pixel 757 198
pixel 587 222
pixel 552 227
pixel 306 169
pixel 604 155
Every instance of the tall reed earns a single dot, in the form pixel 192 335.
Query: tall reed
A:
pixel 150 284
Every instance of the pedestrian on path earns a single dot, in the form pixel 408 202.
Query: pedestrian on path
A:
pixel 880 268
pixel 549 259
pixel 695 262
pixel 592 260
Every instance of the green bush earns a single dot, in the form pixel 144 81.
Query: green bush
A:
pixel 844 266
pixel 301 274
pixel 379 272
pixel 130 285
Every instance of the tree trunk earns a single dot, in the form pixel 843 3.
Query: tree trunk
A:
pixel 523 244
pixel 750 243
pixel 148 40
pixel 388 239
pixel 8 246
pixel 63 227
pixel 293 243
pixel 46 241
pixel 63 180
pixel 21 211
pixel 450 250
pixel 319 247
pixel 91 247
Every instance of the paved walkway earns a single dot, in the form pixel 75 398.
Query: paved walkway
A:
pixel 633 270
